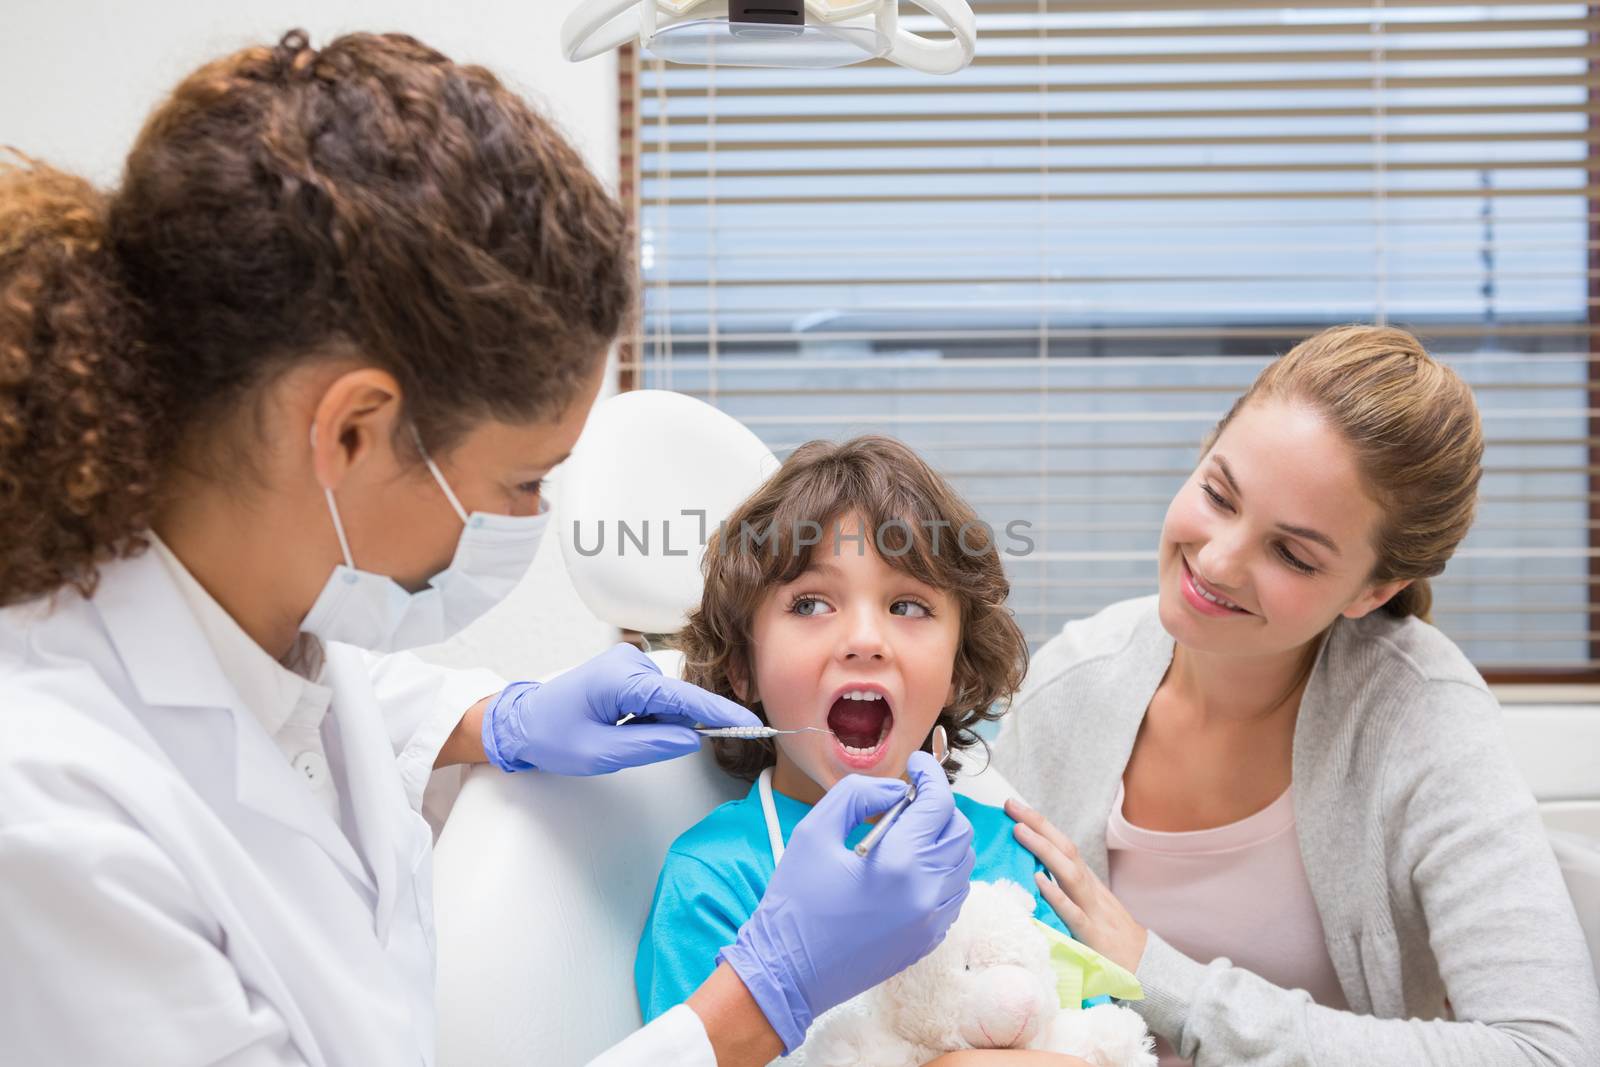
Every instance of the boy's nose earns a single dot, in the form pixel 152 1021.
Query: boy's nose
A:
pixel 865 638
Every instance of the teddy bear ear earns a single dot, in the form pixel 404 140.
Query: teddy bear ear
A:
pixel 1013 895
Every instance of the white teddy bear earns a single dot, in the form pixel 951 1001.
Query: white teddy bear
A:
pixel 989 984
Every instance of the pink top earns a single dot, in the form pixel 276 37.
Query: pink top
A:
pixel 1238 891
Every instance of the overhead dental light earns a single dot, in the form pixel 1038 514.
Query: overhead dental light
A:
pixel 772 33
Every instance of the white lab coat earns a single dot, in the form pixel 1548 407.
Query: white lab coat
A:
pixel 171 894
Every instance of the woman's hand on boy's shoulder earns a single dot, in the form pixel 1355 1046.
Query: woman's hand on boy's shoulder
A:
pixel 1079 898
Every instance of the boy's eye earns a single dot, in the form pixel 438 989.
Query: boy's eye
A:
pixel 915 609
pixel 807 606
pixel 531 488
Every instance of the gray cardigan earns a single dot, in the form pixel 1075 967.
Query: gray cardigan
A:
pixel 1423 846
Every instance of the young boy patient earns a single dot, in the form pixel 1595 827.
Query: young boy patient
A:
pixel 856 593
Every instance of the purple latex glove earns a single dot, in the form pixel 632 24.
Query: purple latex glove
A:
pixel 832 923
pixel 568 724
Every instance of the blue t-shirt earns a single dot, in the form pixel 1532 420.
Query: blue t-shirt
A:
pixel 716 872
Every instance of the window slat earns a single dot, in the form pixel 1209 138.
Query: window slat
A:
pixel 1393 83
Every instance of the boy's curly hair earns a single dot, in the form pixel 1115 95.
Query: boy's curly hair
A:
pixel 767 541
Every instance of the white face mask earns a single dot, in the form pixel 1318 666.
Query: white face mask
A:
pixel 375 612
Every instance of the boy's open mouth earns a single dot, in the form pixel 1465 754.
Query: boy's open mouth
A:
pixel 861 721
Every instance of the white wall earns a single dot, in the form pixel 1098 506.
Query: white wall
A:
pixel 78 77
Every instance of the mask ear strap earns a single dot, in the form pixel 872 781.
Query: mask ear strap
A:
pixel 434 469
pixel 333 510
pixel 338 528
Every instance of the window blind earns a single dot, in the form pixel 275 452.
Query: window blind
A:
pixel 1052 272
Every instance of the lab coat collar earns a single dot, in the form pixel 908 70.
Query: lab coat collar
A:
pixel 161 643
pixel 270 690
pixel 376 796
pixel 170 662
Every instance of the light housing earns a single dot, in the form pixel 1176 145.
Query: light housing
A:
pixel 772 33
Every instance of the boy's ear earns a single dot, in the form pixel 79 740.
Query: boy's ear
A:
pixel 739 678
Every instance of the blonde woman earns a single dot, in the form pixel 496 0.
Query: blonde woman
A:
pixel 1273 790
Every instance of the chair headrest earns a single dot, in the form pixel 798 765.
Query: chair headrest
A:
pixel 631 499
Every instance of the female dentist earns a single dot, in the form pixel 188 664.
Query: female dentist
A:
pixel 277 406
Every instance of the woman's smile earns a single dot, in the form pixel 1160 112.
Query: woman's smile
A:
pixel 1203 599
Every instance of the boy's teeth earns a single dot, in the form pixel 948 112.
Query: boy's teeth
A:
pixel 862 694
pixel 882 733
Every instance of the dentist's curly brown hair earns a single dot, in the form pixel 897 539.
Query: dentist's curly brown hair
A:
pixel 918 516
pixel 286 204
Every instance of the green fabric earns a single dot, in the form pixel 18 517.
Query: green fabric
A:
pixel 1082 973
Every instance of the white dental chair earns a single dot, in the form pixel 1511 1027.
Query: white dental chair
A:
pixel 542 884
pixel 1557 746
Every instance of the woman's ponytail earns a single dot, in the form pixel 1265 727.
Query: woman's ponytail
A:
pixel 75 469
pixel 1415 599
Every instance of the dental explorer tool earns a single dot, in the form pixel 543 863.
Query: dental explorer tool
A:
pixel 754 733
pixel 940 747
pixel 741 733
